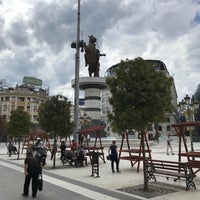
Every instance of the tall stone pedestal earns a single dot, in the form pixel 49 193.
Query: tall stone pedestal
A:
pixel 92 87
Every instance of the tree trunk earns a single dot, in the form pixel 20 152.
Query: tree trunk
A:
pixel 144 162
pixel 18 152
pixel 54 152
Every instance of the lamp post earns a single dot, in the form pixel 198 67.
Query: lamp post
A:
pixel 77 66
pixel 189 107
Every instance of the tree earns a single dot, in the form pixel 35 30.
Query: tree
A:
pixel 54 117
pixel 2 128
pixel 19 125
pixel 197 98
pixel 140 96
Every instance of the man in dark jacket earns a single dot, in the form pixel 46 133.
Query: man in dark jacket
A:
pixel 32 169
pixel 114 156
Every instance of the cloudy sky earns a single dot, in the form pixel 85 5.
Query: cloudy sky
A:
pixel 36 36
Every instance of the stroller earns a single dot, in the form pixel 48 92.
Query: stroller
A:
pixel 67 157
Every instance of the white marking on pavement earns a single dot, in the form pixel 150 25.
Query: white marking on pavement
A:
pixel 75 188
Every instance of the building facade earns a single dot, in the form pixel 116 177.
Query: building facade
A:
pixel 26 97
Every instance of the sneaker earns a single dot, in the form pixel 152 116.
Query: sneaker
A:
pixel 172 153
pixel 118 171
pixel 24 195
pixel 113 171
pixel 167 154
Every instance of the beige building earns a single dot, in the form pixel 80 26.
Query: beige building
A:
pixel 26 97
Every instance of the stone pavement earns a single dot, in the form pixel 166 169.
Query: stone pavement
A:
pixel 128 181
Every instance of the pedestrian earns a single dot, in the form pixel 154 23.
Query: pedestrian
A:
pixel 39 151
pixel 169 146
pixel 53 150
pixel 74 146
pixel 62 149
pixel 11 148
pixel 83 152
pixel 32 169
pixel 114 156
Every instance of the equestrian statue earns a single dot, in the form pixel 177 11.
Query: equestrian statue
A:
pixel 92 55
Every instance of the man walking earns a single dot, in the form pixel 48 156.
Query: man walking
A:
pixel 114 156
pixel 32 169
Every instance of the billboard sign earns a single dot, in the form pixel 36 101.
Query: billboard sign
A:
pixel 32 81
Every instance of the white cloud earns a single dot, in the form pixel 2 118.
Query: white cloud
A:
pixel 36 36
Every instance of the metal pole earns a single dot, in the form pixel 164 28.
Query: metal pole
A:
pixel 77 63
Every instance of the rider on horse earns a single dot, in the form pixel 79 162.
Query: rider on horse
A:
pixel 92 55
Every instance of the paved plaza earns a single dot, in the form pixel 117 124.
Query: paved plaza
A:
pixel 127 182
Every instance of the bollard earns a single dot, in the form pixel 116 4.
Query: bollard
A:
pixel 95 164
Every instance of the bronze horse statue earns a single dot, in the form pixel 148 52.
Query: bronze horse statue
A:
pixel 92 55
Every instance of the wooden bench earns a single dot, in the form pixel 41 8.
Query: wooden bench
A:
pixel 193 160
pixel 170 169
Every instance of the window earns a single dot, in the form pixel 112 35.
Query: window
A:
pixel 168 119
pixel 13 99
pixel 159 128
pixel 21 99
pixel 7 98
pixel 28 108
pixel 35 100
pixel 4 107
pixel 168 128
pixel 21 107
pixel 34 108
pixel 34 117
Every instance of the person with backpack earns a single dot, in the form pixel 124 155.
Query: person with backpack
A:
pixel 39 151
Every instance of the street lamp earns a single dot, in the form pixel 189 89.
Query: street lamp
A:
pixel 77 45
pixel 189 107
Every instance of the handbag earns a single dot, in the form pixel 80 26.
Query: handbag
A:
pixel 40 183
pixel 108 157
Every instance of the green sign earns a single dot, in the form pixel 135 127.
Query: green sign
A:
pixel 32 81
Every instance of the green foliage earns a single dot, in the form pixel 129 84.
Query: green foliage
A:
pixel 19 123
pixel 54 117
pixel 197 93
pixel 197 98
pixel 2 127
pixel 140 95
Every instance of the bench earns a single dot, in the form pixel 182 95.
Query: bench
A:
pixel 193 160
pixel 170 169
